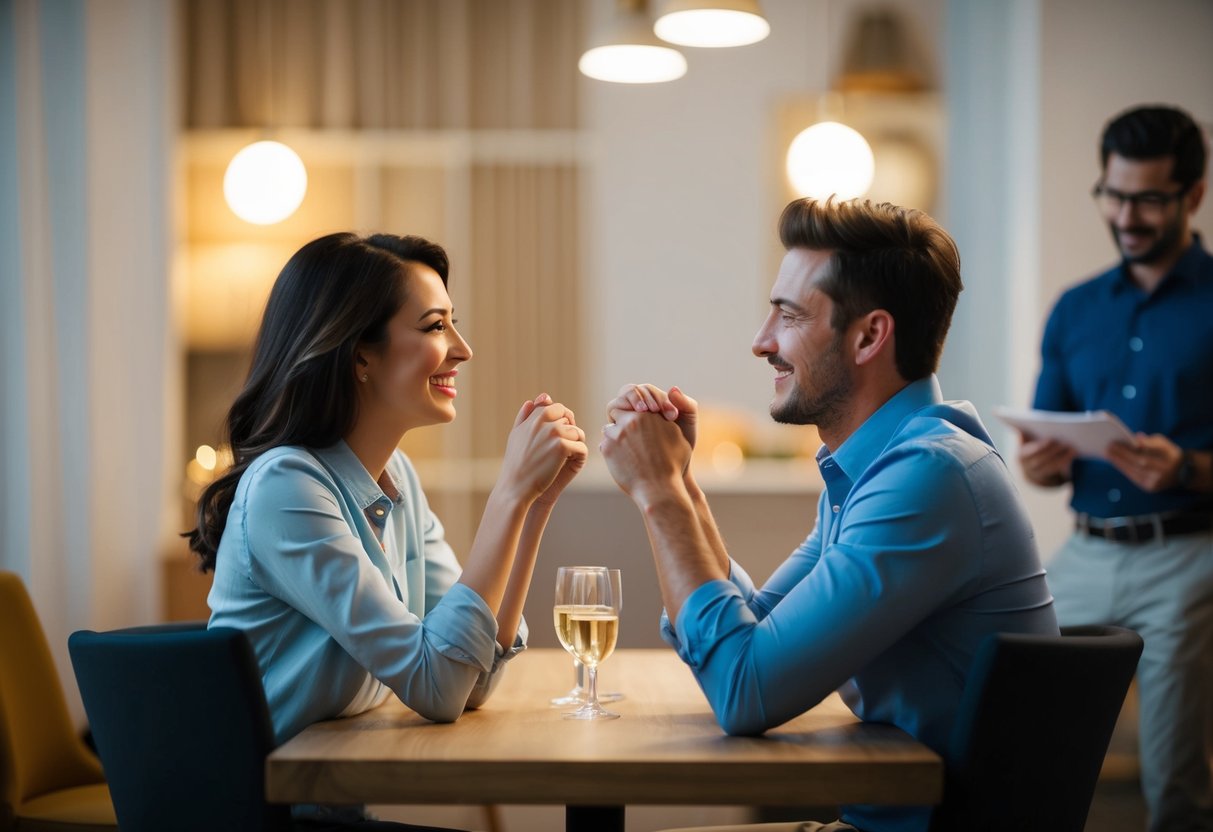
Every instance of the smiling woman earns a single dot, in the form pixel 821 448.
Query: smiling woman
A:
pixel 324 548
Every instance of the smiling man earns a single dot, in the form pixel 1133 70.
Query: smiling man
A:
pixel 1138 340
pixel 921 547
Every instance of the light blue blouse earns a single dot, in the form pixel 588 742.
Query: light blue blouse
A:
pixel 335 582
pixel 921 549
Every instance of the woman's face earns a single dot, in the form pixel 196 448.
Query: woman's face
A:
pixel 410 380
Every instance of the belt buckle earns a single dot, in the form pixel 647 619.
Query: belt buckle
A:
pixel 1124 528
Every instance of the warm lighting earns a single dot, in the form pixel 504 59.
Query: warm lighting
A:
pixel 627 52
pixel 206 457
pixel 727 458
pixel 711 23
pixel 265 183
pixel 631 63
pixel 830 159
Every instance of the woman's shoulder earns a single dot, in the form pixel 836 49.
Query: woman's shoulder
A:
pixel 280 468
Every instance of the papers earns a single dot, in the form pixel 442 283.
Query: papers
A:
pixel 1089 434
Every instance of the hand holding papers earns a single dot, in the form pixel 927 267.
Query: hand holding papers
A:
pixel 1089 434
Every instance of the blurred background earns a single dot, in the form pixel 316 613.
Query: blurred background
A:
pixel 600 233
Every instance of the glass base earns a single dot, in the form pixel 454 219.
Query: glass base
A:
pixel 591 710
pixel 577 697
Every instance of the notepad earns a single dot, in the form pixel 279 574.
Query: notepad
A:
pixel 1089 433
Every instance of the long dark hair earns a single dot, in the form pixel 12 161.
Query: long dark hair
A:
pixel 334 294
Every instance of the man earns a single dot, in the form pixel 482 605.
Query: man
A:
pixel 921 547
pixel 1138 340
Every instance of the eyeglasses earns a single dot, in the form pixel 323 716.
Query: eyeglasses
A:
pixel 1147 203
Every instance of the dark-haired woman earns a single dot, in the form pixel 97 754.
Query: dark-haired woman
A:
pixel 324 549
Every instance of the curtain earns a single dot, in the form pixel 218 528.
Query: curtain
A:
pixel 87 363
pixel 383 64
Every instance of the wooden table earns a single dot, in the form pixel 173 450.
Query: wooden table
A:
pixel 666 749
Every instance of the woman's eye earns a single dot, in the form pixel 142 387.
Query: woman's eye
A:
pixel 436 326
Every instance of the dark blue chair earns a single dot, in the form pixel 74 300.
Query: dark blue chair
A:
pixel 1033 728
pixel 181 725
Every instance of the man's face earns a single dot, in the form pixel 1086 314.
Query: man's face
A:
pixel 1149 229
pixel 813 381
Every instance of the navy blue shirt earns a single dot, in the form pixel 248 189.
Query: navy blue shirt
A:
pixel 1148 358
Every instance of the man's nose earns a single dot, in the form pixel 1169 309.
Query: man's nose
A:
pixel 763 342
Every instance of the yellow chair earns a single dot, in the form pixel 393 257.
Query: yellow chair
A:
pixel 49 780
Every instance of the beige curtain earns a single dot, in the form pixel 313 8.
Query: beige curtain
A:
pixel 383 64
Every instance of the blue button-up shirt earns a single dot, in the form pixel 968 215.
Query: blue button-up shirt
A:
pixel 342 588
pixel 1148 358
pixel 922 548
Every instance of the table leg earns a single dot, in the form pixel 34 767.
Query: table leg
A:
pixel 593 819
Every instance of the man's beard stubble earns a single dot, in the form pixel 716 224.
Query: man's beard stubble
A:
pixel 831 387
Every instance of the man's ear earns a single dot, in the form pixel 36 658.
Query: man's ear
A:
pixel 872 335
pixel 1195 195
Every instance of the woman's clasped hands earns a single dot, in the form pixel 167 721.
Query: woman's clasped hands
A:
pixel 544 451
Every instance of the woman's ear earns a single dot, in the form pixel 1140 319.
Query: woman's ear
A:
pixel 360 365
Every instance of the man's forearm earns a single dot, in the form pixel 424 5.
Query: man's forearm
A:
pixel 707 523
pixel 684 557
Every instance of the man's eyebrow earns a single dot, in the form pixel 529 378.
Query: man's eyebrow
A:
pixel 784 303
pixel 440 310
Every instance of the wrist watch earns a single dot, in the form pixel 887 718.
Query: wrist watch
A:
pixel 1186 474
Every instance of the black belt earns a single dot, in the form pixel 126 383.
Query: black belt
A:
pixel 1141 528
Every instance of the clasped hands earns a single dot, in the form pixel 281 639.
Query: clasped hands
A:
pixel 648 439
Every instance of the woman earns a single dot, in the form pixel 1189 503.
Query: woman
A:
pixel 324 549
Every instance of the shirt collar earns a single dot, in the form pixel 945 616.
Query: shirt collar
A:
pixel 1191 265
pixel 352 474
pixel 861 448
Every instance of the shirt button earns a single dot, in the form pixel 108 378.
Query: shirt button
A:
pixel 378 512
pixel 1114 495
pixel 1135 344
pixel 1128 391
pixel 835 509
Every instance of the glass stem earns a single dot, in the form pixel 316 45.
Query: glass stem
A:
pixel 592 694
pixel 579 671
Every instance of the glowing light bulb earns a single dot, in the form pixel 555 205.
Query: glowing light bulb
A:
pixel 633 63
pixel 265 183
pixel 712 28
pixel 830 159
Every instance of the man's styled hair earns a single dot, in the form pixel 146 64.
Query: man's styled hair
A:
pixel 1154 132
pixel 883 257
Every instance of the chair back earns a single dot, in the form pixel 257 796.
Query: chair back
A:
pixel 182 727
pixel 1033 727
pixel 40 749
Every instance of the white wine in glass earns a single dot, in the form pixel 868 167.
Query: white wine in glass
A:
pixel 586 617
pixel 576 695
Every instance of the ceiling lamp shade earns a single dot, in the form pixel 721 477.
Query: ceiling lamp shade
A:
pixel 711 23
pixel 265 183
pixel 830 159
pixel 880 57
pixel 627 52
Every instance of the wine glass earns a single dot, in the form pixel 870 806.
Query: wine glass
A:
pixel 587 623
pixel 576 696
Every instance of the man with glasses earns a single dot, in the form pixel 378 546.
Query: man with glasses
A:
pixel 1138 340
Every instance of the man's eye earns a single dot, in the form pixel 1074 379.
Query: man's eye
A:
pixel 1150 201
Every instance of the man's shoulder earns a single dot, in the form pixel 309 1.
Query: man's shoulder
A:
pixel 943 440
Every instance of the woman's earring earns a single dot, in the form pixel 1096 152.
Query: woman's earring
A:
pixel 364 376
